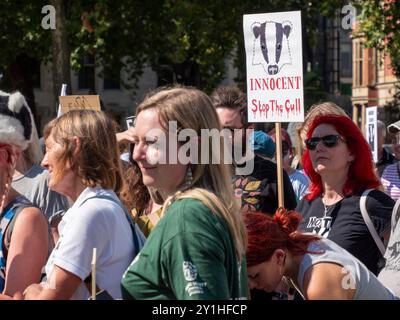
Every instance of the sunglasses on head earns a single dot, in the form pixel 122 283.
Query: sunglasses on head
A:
pixel 329 141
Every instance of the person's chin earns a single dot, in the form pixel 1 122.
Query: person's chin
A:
pixel 148 181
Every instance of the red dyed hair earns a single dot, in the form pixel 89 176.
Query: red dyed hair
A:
pixel 267 234
pixel 361 175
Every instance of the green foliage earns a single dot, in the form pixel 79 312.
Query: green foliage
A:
pixel 21 31
pixel 379 24
pixel 196 36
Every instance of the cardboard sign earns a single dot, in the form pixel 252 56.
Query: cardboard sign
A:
pixel 371 131
pixel 274 64
pixel 68 103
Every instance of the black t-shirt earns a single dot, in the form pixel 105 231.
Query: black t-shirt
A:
pixel 259 191
pixel 343 223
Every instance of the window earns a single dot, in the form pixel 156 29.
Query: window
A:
pixel 112 78
pixel 86 74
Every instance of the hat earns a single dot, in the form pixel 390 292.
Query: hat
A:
pixel 16 120
pixel 262 143
pixel 285 136
pixel 394 127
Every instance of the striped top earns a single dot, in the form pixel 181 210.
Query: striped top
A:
pixel 391 180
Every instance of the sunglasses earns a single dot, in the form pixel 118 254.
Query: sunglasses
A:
pixel 329 141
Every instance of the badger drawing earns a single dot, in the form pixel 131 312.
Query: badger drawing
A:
pixel 271 45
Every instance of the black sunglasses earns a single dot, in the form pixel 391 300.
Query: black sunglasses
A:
pixel 329 141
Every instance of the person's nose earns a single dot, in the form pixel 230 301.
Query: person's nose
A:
pixel 252 283
pixel 45 161
pixel 139 152
pixel 320 146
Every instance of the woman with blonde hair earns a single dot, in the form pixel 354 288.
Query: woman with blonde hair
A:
pixel 197 249
pixel 82 157
pixel 31 180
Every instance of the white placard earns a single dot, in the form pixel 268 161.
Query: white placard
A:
pixel 371 129
pixel 274 61
pixel 130 121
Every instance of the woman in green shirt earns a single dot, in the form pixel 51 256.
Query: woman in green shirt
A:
pixel 197 250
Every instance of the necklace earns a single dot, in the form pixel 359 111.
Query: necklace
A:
pixel 328 208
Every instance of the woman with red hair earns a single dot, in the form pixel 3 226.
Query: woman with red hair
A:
pixel 338 162
pixel 318 268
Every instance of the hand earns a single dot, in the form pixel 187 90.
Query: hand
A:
pixel 33 291
pixel 126 136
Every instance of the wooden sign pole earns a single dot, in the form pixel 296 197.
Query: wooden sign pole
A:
pixel 94 273
pixel 278 142
pixel 363 113
pixel 355 114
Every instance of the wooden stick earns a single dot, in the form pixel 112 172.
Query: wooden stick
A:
pixel 363 117
pixel 355 114
pixel 278 142
pixel 94 260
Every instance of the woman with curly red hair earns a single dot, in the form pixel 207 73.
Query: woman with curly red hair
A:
pixel 339 163
pixel 318 268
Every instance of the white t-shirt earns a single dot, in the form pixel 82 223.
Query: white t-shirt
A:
pixel 95 223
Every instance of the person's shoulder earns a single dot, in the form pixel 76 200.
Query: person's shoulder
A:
pixel 191 215
pixel 264 162
pixel 390 169
pixel 97 201
pixel 380 196
pixel 188 208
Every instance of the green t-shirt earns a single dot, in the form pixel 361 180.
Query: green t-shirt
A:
pixel 188 255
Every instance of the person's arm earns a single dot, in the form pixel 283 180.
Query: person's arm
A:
pixel 194 265
pixel 328 281
pixel 126 136
pixel 60 286
pixel 28 251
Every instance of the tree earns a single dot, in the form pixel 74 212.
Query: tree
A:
pixel 23 43
pixel 379 24
pixel 183 41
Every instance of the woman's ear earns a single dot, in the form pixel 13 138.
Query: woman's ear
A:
pixel 279 256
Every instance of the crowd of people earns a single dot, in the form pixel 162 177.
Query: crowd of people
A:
pixel 171 218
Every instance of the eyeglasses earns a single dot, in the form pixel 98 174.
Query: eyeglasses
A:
pixel 329 141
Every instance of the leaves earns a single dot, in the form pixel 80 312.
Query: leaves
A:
pixel 379 24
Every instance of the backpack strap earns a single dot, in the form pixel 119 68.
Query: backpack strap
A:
pixel 395 215
pixel 368 222
pixel 137 241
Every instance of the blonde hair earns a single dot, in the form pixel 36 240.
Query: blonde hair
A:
pixel 316 110
pixel 98 162
pixel 192 108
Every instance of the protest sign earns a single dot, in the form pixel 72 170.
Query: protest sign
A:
pixel 84 102
pixel 274 63
pixel 371 131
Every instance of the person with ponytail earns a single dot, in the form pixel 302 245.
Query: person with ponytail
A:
pixel 25 239
pixel 338 161
pixel 316 267
pixel 197 249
